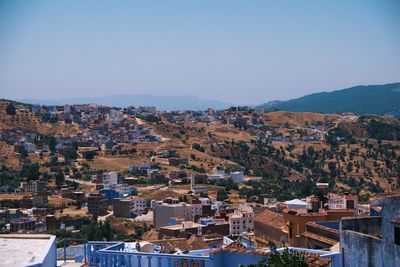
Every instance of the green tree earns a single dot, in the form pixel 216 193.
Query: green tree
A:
pixel 222 195
pixel 282 259
pixel 89 155
pixel 10 109
pixel 59 179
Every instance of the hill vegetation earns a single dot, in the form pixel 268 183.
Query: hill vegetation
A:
pixel 371 99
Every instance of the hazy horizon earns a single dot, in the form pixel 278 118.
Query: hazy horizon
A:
pixel 235 52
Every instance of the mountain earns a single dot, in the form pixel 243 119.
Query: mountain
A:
pixel 370 99
pixel 168 102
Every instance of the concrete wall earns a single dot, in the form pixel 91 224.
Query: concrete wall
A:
pixel 368 225
pixel 391 251
pixel 360 249
pixel 51 257
pixel 232 259
pixel 265 233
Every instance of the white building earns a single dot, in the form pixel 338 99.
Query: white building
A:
pixel 241 220
pixel 342 201
pixel 197 210
pixel 120 188
pixel 205 201
pixel 29 147
pixel 110 178
pixel 217 175
pixel 237 177
pixel 297 205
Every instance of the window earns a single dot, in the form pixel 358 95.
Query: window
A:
pixel 397 235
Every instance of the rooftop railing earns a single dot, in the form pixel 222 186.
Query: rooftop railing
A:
pixel 104 254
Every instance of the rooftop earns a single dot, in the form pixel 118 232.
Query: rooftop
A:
pixel 25 249
pixel 270 218
pixel 184 225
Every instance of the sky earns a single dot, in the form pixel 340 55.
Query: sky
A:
pixel 240 52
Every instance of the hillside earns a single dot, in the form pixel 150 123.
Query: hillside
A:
pixel 24 119
pixel 289 150
pixel 371 99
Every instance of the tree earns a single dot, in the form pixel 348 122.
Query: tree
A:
pixel 10 109
pixel 59 179
pixel 222 195
pixel 30 171
pixel 52 144
pixel 89 155
pixel 282 259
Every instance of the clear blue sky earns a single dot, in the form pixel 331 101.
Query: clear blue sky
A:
pixel 242 52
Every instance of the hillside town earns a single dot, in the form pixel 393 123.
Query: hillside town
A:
pixel 107 186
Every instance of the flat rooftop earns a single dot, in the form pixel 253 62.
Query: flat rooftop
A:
pixel 21 250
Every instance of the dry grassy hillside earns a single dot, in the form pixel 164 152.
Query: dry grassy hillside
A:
pixel 26 120
pixel 298 119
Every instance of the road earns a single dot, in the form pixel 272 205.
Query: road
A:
pixel 103 218
pixel 79 181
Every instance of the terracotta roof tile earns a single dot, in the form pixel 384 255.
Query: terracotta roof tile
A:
pixel 319 238
pixel 270 218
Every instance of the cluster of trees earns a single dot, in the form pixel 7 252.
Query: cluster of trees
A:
pixel 198 147
pixel 383 131
pixel 10 109
pixel 285 258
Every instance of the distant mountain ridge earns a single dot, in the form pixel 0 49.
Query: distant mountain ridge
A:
pixel 166 102
pixel 363 99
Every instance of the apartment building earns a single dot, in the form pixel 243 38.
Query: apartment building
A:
pixel 241 220
pixel 129 206
pixel 97 204
pixel 33 187
pixel 110 178
pixel 163 212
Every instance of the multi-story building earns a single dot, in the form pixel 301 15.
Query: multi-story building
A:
pixel 129 206
pixel 269 226
pixel 23 224
pixel 33 187
pixel 97 204
pixel 241 220
pixel 342 201
pixel 110 178
pixel 295 222
pixel 163 212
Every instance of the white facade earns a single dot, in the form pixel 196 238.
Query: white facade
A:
pixel 197 210
pixel 336 201
pixel 139 205
pixel 110 178
pixel 241 220
pixel 205 201
pixel 120 188
pixel 237 177
pixel 29 147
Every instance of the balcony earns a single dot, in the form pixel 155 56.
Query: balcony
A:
pixel 104 254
